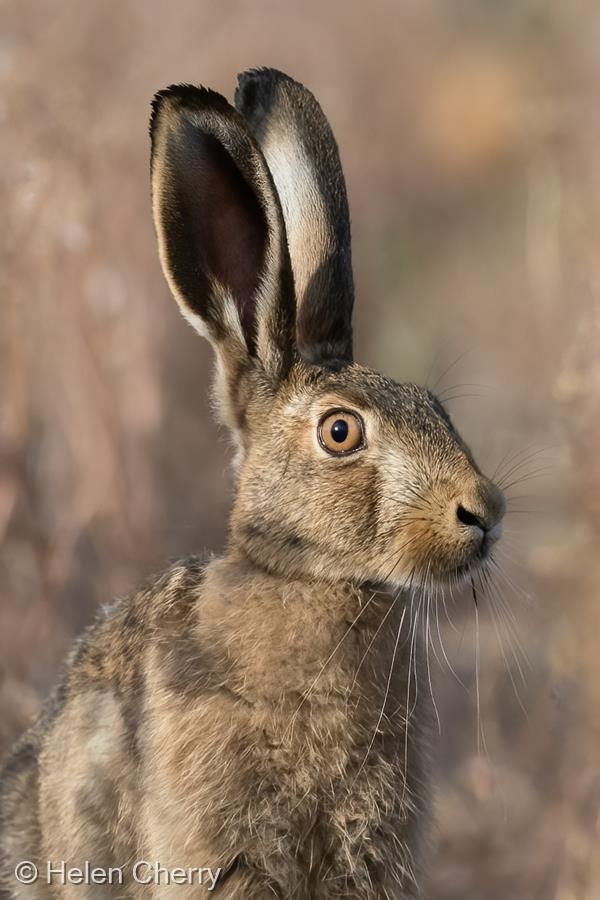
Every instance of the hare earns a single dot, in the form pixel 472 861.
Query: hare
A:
pixel 264 714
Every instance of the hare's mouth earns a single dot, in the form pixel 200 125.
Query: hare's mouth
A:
pixel 448 575
pixel 479 557
pixel 465 570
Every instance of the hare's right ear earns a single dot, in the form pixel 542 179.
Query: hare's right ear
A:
pixel 303 158
pixel 221 234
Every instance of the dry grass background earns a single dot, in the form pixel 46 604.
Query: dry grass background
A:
pixel 470 134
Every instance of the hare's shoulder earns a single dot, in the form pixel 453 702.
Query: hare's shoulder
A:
pixel 110 658
pixel 114 649
pixel 103 682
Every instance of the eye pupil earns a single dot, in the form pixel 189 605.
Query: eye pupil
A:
pixel 339 431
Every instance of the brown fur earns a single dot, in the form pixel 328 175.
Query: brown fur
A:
pixel 264 713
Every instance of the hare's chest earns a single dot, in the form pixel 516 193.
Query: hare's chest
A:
pixel 331 806
pixel 295 801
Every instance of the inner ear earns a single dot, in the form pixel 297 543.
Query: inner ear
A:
pixel 223 229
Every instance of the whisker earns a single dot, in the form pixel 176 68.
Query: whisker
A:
pixel 448 663
pixel 413 655
pixel 373 639
pixel 507 617
pixel 427 640
pixel 463 384
pixel 485 577
pixel 409 711
pixel 385 697
pixel 521 457
pixel 447 614
pixel 516 588
pixel 432 590
pixel 469 396
pixel 523 479
pixel 324 665
pixel 449 369
pixel 480 731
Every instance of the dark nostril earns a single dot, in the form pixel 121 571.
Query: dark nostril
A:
pixel 469 518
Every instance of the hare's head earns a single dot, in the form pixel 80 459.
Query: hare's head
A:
pixel 343 474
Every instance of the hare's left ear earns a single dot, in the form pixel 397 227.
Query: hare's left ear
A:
pixel 303 158
pixel 221 234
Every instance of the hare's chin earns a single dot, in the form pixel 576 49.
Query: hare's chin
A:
pixel 465 571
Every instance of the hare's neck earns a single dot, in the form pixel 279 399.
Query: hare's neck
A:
pixel 279 635
pixel 281 550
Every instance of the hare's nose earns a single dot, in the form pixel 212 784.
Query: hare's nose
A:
pixel 482 507
pixel 468 518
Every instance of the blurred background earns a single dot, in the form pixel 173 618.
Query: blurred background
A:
pixel 470 136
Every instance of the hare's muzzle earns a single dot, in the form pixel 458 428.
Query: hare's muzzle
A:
pixel 478 514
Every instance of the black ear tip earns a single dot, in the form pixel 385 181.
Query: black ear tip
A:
pixel 257 88
pixel 254 88
pixel 185 98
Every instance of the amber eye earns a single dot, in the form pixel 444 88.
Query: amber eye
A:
pixel 341 432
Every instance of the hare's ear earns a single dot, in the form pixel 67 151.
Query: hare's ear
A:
pixel 220 232
pixel 302 155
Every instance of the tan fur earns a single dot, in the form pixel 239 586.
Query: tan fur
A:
pixel 266 713
pixel 228 763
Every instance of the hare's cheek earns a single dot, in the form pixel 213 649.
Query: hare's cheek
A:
pixel 416 541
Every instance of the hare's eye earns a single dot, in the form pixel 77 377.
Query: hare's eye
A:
pixel 341 432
